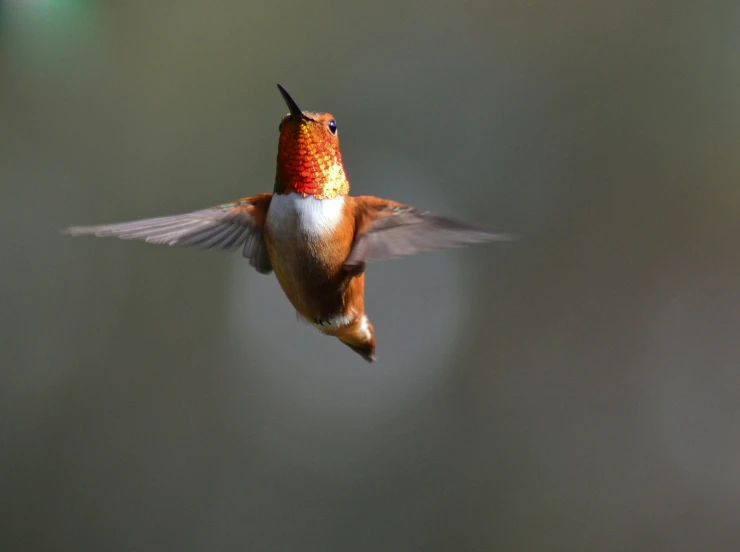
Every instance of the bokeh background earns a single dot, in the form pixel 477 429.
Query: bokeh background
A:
pixel 576 390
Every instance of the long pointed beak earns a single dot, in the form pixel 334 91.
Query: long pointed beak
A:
pixel 295 111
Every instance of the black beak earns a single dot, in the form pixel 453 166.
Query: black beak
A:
pixel 295 111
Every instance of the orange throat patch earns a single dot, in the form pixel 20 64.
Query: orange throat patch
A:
pixel 309 164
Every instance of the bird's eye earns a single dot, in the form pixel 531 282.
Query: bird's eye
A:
pixel 280 127
pixel 333 126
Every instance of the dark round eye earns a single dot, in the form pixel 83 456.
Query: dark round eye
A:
pixel 333 126
pixel 280 127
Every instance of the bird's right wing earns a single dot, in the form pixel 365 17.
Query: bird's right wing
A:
pixel 223 228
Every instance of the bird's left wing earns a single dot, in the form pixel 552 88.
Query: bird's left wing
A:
pixel 386 229
pixel 223 228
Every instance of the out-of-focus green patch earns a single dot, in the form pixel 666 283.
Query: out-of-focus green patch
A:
pixel 49 35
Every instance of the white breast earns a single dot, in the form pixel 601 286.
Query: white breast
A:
pixel 311 217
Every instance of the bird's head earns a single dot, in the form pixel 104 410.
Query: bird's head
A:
pixel 308 159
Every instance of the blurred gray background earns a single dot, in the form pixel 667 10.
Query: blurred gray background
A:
pixel 575 390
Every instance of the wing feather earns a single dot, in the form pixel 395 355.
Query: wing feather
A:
pixel 387 229
pixel 220 228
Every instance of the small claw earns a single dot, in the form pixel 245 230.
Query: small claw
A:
pixel 355 269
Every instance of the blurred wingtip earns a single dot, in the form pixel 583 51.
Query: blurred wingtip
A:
pixel 75 231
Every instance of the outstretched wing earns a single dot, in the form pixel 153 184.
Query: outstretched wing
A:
pixel 388 229
pixel 223 227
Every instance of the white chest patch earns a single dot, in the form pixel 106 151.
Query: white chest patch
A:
pixel 308 216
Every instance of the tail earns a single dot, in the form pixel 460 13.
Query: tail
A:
pixel 359 337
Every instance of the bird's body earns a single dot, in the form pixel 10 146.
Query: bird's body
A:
pixel 310 231
pixel 309 240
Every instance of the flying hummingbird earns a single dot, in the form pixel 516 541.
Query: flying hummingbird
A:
pixel 310 231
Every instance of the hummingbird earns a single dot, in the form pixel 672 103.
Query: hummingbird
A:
pixel 309 231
